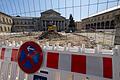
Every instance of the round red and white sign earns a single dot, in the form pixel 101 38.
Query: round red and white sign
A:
pixel 30 57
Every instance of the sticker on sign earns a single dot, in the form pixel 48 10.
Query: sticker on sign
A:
pixel 37 77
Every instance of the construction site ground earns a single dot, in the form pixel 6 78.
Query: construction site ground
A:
pixel 76 39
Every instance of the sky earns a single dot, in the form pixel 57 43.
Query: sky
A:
pixel 78 8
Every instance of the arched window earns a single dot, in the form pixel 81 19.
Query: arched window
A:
pixel 28 22
pixel 25 22
pixel 86 26
pixel 9 29
pixel 112 24
pixel 94 25
pixel 98 25
pixel 17 22
pixel 91 26
pixel 107 23
pixel 102 25
pixel 1 29
pixel 7 20
pixel 3 19
pixel 5 29
pixel 21 22
pixel 10 21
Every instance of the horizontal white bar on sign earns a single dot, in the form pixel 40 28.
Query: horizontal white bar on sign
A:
pixel 59 48
pixel 104 51
pixel 74 49
pixel 88 50
pixel 48 47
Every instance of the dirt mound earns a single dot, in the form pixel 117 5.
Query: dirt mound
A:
pixel 50 35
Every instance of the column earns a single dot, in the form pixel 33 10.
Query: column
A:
pixel 58 25
pixel 61 26
pixel 52 21
pixel 41 24
pixel 64 25
pixel 55 23
pixel 45 26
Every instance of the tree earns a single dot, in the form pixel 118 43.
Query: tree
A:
pixel 71 26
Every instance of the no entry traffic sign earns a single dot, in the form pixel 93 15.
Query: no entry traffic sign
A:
pixel 30 57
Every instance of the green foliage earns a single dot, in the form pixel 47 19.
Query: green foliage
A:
pixel 71 26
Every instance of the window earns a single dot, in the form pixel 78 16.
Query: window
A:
pixel 102 25
pixel 95 25
pixel 98 18
pixel 9 29
pixel 28 22
pixel 107 25
pixel 17 22
pixel 5 28
pixel 107 16
pixel 6 20
pixel 98 25
pixel 21 22
pixel 10 21
pixel 32 22
pixel 95 19
pixel 1 29
pixel 3 19
pixel 112 24
pixel 25 23
pixel 102 17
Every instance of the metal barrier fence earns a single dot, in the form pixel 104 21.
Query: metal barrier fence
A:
pixel 106 64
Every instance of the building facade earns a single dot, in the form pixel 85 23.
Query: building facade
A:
pixel 39 23
pixel 102 20
pixel 5 22
pixel 78 26
pixel 21 24
pixel 53 17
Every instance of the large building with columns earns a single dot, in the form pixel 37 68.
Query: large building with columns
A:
pixel 53 17
pixel 5 22
pixel 102 20
pixel 39 23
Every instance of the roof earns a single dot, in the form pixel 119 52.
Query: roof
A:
pixel 22 17
pixel 106 11
pixel 50 11
pixel 53 17
pixel 5 14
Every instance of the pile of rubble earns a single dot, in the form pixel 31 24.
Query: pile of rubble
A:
pixel 50 35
